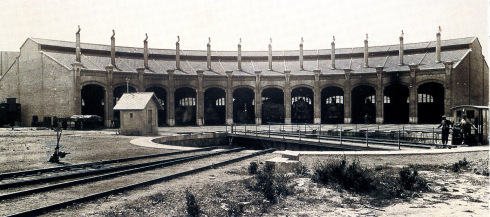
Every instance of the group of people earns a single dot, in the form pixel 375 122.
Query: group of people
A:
pixel 464 125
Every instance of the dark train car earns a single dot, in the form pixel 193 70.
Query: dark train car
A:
pixel 272 112
pixel 476 116
pixel 10 112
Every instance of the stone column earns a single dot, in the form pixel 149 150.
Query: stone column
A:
pixel 200 99
pixel 413 99
pixel 109 101
pixel 347 97
pixel 113 48
pixel 258 98
pixel 229 98
pixel 77 92
pixel 171 99
pixel 448 92
pixel 379 95
pixel 317 108
pixel 141 79
pixel 287 97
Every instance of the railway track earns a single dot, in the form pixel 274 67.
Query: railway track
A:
pixel 108 175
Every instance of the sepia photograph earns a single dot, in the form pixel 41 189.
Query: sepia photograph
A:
pixel 244 108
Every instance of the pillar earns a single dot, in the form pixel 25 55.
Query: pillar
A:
pixel 412 98
pixel 145 52
pixel 448 93
pixel 77 92
pixel 301 66
pixel 287 97
pixel 200 99
pixel 141 79
pixel 438 46
pixel 171 99
pixel 400 50
pixel 113 48
pixel 366 52
pixel 317 108
pixel 379 95
pixel 258 98
pixel 347 97
pixel 109 101
pixel 229 98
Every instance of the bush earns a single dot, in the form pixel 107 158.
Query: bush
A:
pixel 409 180
pixel 272 185
pixel 252 168
pixel 191 204
pixel 235 210
pixel 301 171
pixel 458 165
pixel 351 177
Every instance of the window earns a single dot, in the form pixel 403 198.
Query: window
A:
pixel 470 114
pixel 220 102
pixel 335 99
pixel 150 116
pixel 425 98
pixel 131 115
pixel 295 99
pixel 370 99
pixel 386 100
pixel 187 101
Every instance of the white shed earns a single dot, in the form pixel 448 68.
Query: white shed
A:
pixel 139 113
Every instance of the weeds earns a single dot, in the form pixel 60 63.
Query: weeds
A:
pixel 252 168
pixel 271 184
pixel 459 165
pixel 302 171
pixel 409 180
pixel 192 207
pixel 350 177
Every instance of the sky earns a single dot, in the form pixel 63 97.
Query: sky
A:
pixel 255 21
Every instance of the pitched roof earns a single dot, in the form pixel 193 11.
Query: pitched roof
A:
pixel 136 101
pixel 128 59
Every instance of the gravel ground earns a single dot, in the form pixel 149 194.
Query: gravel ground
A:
pixel 220 189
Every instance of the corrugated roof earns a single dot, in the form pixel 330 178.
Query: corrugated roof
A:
pixel 136 101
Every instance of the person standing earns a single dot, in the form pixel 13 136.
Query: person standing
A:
pixel 446 125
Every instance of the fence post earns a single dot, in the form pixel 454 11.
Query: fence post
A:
pixel 378 131
pixel 319 131
pixel 433 136
pixel 341 135
pixel 367 140
pixel 403 132
pixel 399 148
pixel 245 129
pixel 256 130
pixel 226 128
pixel 269 129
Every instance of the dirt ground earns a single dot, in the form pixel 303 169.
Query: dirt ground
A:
pixel 220 191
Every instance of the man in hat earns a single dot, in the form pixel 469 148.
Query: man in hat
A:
pixel 466 129
pixel 446 125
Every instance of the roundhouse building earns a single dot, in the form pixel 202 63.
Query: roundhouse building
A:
pixel 401 83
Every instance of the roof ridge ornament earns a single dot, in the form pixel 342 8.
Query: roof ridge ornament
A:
pixel 240 42
pixel 402 33
pixel 78 32
pixel 178 39
pixel 146 39
pixel 209 40
pixel 113 33
pixel 302 40
pixel 366 36
pixel 270 43
pixel 333 39
pixel 440 29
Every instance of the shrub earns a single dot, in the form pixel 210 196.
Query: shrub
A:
pixel 409 180
pixel 351 177
pixel 252 168
pixel 236 209
pixel 301 171
pixel 191 204
pixel 459 165
pixel 271 184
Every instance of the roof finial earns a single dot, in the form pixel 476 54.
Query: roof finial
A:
pixel 270 41
pixel 146 39
pixel 302 40
pixel 240 43
pixel 402 33
pixel 113 33
pixel 366 36
pixel 178 39
pixel 209 40
pixel 440 29
pixel 78 29
pixel 333 38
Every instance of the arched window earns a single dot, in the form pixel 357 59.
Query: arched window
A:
pixel 306 99
pixel 425 98
pixel 220 102
pixel 189 101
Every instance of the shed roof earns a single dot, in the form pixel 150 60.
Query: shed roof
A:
pixel 136 101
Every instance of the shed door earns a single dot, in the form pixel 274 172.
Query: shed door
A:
pixel 150 119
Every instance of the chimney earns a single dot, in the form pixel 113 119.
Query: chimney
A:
pixel 400 50
pixel 438 45
pixel 366 52
pixel 301 66
pixel 113 48
pixel 270 55
pixel 177 53
pixel 78 50
pixel 209 53
pixel 333 53
pixel 239 57
pixel 145 54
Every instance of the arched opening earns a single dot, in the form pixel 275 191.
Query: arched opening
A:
pixel 161 95
pixel 272 105
pixel 332 100
pixel 363 104
pixel 214 106
pixel 395 104
pixel 430 103
pixel 185 106
pixel 93 100
pixel 243 106
pixel 117 94
pixel 302 105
